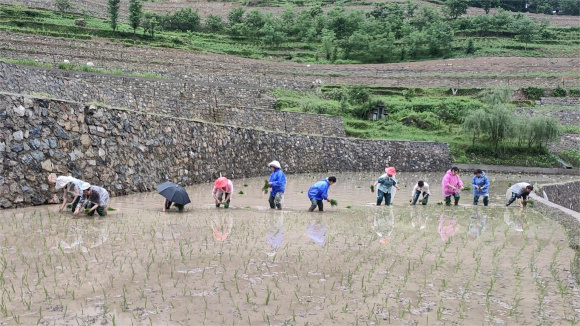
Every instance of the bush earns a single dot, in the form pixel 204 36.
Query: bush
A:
pixel 533 93
pixel 424 121
pixel 571 156
pixel 574 91
pixel 559 92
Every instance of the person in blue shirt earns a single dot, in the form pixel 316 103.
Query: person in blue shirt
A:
pixel 277 182
pixel 319 192
pixel 480 185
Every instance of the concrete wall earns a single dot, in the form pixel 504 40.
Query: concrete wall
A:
pixel 564 194
pixel 209 102
pixel 127 151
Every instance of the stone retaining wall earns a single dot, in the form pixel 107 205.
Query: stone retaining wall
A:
pixel 566 116
pixel 560 101
pixel 563 194
pixel 158 95
pixel 283 121
pixel 128 151
pixel 202 102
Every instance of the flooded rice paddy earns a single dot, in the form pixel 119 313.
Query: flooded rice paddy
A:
pixel 248 265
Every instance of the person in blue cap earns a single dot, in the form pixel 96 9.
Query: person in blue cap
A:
pixel 319 192
pixel 480 187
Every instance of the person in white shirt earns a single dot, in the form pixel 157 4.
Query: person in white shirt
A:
pixel 520 191
pixel 421 189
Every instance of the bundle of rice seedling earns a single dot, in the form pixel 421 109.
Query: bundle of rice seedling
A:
pixel 372 188
pixel 69 206
pixel 111 209
pixel 467 188
pixel 265 187
pixel 333 202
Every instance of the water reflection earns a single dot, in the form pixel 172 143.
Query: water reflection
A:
pixel 419 217
pixel 447 226
pixel 82 239
pixel 221 225
pixel 276 230
pixel 384 223
pixel 316 231
pixel 477 224
pixel 513 218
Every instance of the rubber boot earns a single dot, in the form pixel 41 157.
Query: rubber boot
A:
pixel 448 200
pixel 476 200
pixel 379 202
pixel 456 201
pixel 485 200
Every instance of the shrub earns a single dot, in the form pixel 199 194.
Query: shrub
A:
pixel 571 156
pixel 559 92
pixel 533 93
pixel 574 91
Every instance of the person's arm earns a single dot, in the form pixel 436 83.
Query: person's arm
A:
pixel 64 199
pixel 473 184
pixel 229 190
pixel 95 206
pixel 460 183
pixel 80 204
pixel 214 193
pixel 395 184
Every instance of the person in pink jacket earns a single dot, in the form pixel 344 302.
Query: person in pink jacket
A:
pixel 451 185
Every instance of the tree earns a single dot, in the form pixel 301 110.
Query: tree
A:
pixel 328 43
pixel 113 9
pixel 150 23
pixel 570 7
pixel 236 16
pixel 525 29
pixel 63 5
pixel 214 23
pixel 183 20
pixel 456 8
pixel 440 35
pixel 135 14
pixel 271 36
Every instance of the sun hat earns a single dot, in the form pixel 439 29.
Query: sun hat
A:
pixel 62 181
pixel 85 186
pixel 221 182
pixel 275 164
pixel 391 170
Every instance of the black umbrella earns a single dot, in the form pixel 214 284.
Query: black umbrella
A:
pixel 173 193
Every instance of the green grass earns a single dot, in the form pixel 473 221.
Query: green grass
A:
pixel 50 23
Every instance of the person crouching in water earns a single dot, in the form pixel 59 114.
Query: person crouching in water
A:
pixel 277 182
pixel 319 192
pixel 222 187
pixel 71 186
pixel 451 184
pixel 520 191
pixel 480 185
pixel 96 199
pixel 421 189
pixel 386 183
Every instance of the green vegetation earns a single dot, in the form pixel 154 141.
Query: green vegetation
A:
pixel 390 32
pixel 419 114
pixel 571 156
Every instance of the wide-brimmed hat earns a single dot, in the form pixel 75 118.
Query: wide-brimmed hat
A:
pixel 85 186
pixel 275 164
pixel 221 182
pixel 390 170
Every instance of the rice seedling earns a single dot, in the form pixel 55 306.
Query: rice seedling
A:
pixel 333 202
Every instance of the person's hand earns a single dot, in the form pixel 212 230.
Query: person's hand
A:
pixel 61 208
pixel 462 188
pixel 269 184
pixel 328 200
pixel 397 187
pixel 521 205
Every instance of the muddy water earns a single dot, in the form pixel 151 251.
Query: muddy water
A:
pixel 251 265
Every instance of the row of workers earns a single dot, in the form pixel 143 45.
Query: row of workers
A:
pixel 94 198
